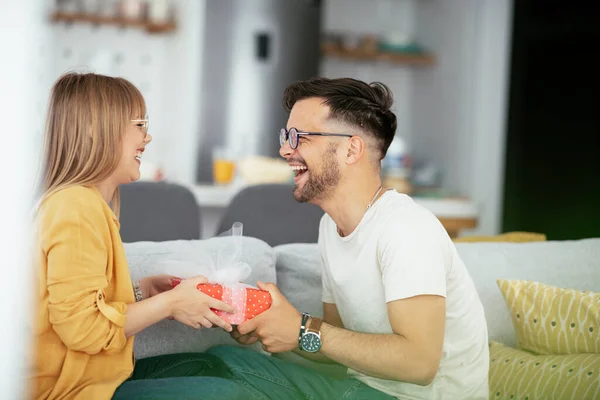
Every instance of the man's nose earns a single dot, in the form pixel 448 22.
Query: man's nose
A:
pixel 285 150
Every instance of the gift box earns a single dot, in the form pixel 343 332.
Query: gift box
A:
pixel 225 271
pixel 248 302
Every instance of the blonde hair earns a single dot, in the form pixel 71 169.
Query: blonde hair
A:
pixel 87 116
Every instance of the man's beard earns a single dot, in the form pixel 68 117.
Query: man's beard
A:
pixel 319 186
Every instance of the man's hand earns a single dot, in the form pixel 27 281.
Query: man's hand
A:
pixel 278 327
pixel 153 285
pixel 247 339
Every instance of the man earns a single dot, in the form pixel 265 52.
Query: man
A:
pixel 400 309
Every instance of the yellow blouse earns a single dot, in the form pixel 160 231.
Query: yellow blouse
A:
pixel 83 286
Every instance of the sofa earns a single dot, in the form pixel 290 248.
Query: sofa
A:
pixel 295 268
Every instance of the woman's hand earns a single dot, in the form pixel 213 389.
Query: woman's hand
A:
pixel 153 285
pixel 193 308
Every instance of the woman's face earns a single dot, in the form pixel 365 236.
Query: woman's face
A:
pixel 133 144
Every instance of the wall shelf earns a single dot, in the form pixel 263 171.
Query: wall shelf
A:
pixel 116 21
pixel 412 59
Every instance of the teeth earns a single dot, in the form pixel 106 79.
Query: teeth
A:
pixel 299 168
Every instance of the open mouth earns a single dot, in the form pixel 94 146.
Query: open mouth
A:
pixel 138 155
pixel 299 170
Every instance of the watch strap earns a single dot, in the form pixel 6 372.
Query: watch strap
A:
pixel 305 317
pixel 315 325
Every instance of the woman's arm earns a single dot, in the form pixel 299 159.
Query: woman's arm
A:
pixel 149 307
pixel 145 313
pixel 185 304
pixel 76 250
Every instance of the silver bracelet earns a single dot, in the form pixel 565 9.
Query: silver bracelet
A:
pixel 137 291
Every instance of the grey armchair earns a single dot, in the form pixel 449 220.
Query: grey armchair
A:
pixel 158 211
pixel 269 212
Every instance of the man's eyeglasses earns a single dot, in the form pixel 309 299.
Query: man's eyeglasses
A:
pixel 142 124
pixel 292 135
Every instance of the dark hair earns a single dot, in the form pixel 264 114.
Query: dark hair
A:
pixel 366 106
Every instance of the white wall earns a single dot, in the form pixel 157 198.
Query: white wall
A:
pixel 22 45
pixel 182 100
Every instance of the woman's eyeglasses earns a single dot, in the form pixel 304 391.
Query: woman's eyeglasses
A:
pixel 292 135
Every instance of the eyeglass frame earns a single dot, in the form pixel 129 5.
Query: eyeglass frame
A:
pixel 284 136
pixel 145 121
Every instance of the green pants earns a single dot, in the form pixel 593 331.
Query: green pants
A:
pixel 184 376
pixel 230 373
pixel 270 378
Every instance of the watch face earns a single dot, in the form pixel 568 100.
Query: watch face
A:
pixel 311 342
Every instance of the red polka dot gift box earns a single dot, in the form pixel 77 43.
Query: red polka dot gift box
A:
pixel 248 302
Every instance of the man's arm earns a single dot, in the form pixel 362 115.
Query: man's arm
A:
pixel 411 354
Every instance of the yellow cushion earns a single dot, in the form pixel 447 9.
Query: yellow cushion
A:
pixel 520 237
pixel 517 374
pixel 552 320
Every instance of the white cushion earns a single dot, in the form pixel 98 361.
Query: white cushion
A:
pixel 299 276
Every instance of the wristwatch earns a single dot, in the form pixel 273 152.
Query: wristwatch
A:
pixel 311 338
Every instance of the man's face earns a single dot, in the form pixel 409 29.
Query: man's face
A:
pixel 315 160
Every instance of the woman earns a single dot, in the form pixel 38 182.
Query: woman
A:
pixel 88 310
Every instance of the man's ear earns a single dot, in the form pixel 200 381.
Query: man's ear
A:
pixel 356 149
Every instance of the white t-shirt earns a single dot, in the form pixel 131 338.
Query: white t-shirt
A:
pixel 400 250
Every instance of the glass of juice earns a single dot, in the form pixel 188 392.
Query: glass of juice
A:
pixel 223 166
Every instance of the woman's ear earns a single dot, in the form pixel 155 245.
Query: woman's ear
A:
pixel 356 149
